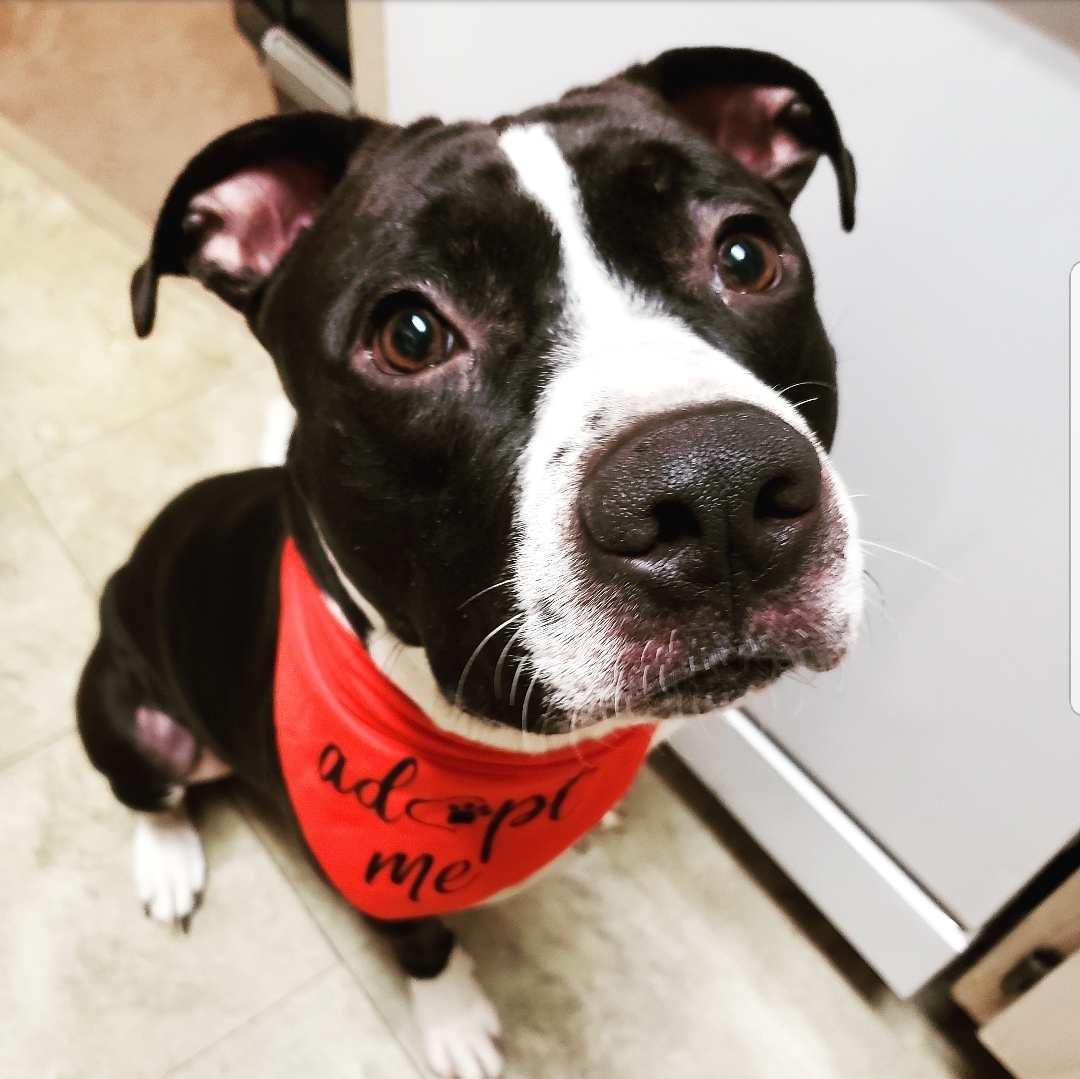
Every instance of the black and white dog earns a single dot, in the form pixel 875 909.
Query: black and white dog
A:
pixel 559 475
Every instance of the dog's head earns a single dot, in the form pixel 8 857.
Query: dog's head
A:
pixel 564 398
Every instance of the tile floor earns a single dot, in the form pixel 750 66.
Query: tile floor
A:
pixel 650 951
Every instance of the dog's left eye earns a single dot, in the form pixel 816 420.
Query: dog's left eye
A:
pixel 411 339
pixel 748 263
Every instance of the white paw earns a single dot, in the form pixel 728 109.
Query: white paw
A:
pixel 612 821
pixel 458 1023
pixel 170 868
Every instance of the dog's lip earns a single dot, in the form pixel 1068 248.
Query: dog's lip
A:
pixel 694 692
pixel 720 681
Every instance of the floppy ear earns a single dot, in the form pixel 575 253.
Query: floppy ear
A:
pixel 767 113
pixel 238 206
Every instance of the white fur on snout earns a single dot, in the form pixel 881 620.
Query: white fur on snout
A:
pixel 170 867
pixel 458 1023
pixel 621 359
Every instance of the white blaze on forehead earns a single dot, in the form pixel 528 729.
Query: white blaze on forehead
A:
pixel 544 175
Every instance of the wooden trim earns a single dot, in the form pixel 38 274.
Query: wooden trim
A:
pixel 1054 923
pixel 1038 1037
pixel 130 229
pixel 99 206
pixel 367 44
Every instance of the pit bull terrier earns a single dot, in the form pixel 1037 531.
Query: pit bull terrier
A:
pixel 559 477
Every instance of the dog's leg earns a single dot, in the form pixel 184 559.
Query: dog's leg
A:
pixel 457 1022
pixel 170 867
pixel 149 760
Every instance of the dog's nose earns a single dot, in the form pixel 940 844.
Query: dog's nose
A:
pixel 713 505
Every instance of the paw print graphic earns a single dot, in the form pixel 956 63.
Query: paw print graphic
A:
pixel 466 812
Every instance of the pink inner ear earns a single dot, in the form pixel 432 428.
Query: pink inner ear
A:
pixel 247 222
pixel 741 118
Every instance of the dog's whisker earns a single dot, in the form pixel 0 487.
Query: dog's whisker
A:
pixel 517 675
pixel 808 401
pixel 525 703
pixel 807 382
pixel 880 608
pixel 876 583
pixel 476 652
pixel 914 558
pixel 490 588
pixel 835 324
pixel 496 682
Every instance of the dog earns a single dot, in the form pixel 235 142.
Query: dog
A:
pixel 559 478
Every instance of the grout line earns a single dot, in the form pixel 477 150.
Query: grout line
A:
pixel 271 1007
pixel 235 376
pixel 129 228
pixel 89 199
pixel 116 221
pixel 93 593
pixel 24 475
pixel 34 748
pixel 420 1066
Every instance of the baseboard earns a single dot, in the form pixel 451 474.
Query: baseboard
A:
pixel 886 915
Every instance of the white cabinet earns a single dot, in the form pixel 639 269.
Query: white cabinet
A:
pixel 946 743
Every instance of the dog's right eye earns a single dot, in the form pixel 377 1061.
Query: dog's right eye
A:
pixel 411 339
pixel 747 263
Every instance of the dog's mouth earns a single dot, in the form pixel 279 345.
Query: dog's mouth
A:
pixel 709 687
pixel 692 691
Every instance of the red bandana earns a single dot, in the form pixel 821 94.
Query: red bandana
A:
pixel 406 819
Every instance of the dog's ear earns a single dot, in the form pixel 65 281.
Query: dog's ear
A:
pixel 768 113
pixel 238 206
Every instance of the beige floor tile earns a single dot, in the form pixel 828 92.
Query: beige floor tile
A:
pixel 48 621
pixel 71 368
pixel 328 1029
pixel 646 952
pixel 91 988
pixel 101 496
pixel 657 955
pixel 363 952
pixel 600 974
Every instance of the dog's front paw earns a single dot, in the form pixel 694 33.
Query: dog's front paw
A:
pixel 458 1022
pixel 170 868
